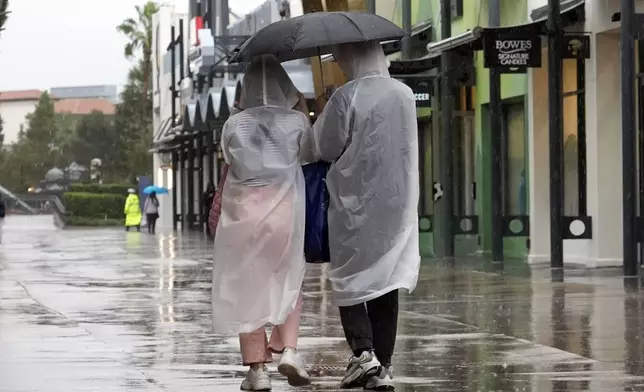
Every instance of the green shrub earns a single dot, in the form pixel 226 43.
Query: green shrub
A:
pixel 81 221
pixel 113 189
pixel 95 205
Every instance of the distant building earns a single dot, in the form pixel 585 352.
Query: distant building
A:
pixel 16 105
pixel 108 92
pixel 84 106
pixel 14 108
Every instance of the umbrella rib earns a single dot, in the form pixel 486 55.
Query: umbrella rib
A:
pixel 296 35
pixel 355 25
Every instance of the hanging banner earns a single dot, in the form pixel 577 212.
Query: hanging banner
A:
pixel 512 53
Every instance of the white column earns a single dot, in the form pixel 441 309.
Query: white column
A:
pixel 538 162
pixel 603 146
pixel 604 163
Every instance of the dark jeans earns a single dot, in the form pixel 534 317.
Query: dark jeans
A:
pixel 372 326
pixel 152 222
pixel 138 228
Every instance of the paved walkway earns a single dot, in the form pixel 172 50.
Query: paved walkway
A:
pixel 105 310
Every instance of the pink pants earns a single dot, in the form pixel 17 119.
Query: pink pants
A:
pixel 255 346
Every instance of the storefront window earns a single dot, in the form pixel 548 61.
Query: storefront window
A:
pixel 570 156
pixel 574 140
pixel 515 176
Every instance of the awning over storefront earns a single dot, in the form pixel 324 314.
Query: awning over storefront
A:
pixel 161 133
pixel 214 101
pixel 230 98
pixel 572 11
pixel 568 8
pixel 421 35
pixel 193 113
pixel 413 66
pixel 204 106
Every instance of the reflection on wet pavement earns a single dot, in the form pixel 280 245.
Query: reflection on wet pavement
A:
pixel 107 310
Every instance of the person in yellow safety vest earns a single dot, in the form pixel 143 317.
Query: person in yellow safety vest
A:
pixel 132 211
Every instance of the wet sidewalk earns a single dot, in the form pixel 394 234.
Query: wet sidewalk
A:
pixel 105 310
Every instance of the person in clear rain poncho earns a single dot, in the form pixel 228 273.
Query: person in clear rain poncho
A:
pixel 368 131
pixel 259 241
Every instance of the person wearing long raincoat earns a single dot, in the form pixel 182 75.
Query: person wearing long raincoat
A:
pixel 368 131
pixel 259 242
pixel 132 211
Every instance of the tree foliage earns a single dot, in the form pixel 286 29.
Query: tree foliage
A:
pixel 96 137
pixel 121 141
pixel 139 33
pixel 1 132
pixel 133 121
pixel 4 13
pixel 134 113
pixel 35 151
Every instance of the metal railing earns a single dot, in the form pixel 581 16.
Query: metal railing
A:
pixel 12 197
pixel 59 211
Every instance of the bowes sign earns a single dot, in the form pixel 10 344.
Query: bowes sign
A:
pixel 512 53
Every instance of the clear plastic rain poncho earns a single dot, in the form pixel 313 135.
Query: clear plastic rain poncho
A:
pixel 368 130
pixel 259 244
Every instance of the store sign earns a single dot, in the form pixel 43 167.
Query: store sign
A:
pixel 422 92
pixel 423 99
pixel 512 53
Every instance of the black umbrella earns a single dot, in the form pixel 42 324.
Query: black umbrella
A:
pixel 314 34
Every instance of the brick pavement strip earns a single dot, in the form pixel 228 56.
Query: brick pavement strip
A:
pixel 105 310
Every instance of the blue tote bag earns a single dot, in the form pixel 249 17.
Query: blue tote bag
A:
pixel 316 234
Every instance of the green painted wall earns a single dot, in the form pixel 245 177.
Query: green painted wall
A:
pixel 513 12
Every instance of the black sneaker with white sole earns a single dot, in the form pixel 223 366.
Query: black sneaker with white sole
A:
pixel 360 370
pixel 384 381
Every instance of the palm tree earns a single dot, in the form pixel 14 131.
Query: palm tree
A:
pixel 139 32
pixel 4 12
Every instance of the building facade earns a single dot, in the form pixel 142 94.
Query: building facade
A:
pixel 188 126
pixel 76 101
pixel 14 108
pixel 466 196
pixel 592 150
pixel 163 101
pixel 483 117
pixel 107 92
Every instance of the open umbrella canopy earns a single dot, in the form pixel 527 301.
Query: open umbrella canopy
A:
pixel 159 190
pixel 314 34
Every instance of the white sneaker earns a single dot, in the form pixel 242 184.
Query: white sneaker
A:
pixel 360 370
pixel 292 367
pixel 383 381
pixel 256 380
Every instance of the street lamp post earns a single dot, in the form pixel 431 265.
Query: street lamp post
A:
pixel 555 126
pixel 444 246
pixel 496 114
pixel 629 172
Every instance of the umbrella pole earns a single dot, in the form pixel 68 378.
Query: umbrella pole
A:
pixel 322 75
